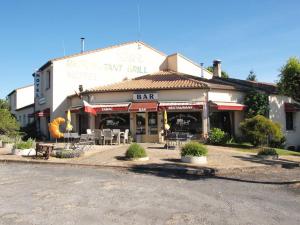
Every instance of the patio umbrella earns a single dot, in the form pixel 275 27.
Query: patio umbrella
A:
pixel 166 125
pixel 69 126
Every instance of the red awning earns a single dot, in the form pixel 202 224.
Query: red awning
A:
pixel 180 105
pixel 143 107
pixel 43 113
pixel 112 107
pixel 291 107
pixel 227 106
pixel 107 107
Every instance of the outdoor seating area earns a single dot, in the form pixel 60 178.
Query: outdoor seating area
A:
pixel 97 136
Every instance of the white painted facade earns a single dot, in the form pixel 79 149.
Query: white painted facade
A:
pixel 126 61
pixel 101 67
pixel 21 102
pixel 277 113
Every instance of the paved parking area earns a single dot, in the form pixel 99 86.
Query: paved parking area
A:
pixel 220 158
pixel 51 194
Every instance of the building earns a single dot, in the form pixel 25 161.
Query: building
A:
pixel 21 102
pixel 61 77
pixel 129 86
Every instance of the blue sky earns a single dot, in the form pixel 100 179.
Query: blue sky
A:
pixel 259 35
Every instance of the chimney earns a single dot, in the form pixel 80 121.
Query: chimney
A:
pixel 82 44
pixel 201 65
pixel 217 68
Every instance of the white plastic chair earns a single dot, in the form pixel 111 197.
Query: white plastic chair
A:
pixel 125 136
pixel 108 136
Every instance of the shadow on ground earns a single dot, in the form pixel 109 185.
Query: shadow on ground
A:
pixel 289 164
pixel 173 171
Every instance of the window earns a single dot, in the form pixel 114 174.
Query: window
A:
pixel 20 119
pixel 185 122
pixel 289 118
pixel 152 123
pixel 48 80
pixel 114 121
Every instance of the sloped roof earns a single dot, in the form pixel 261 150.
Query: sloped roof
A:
pixel 247 84
pixel 156 81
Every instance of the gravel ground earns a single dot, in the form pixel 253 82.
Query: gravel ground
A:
pixel 48 194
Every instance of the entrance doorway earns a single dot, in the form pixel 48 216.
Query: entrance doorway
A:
pixel 222 120
pixel 83 122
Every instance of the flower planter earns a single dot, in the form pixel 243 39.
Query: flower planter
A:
pixel 24 152
pixel 8 146
pixel 139 159
pixel 199 160
pixel 268 157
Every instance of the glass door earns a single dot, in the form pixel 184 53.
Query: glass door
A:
pixel 140 123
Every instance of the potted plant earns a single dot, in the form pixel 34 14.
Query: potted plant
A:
pixel 24 148
pixel 194 152
pixel 267 153
pixel 7 142
pixel 136 152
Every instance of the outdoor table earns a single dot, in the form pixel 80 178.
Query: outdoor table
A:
pixel 44 148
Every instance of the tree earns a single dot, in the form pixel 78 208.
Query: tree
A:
pixel 8 123
pixel 4 104
pixel 289 82
pixel 251 76
pixel 259 130
pixel 257 103
pixel 223 73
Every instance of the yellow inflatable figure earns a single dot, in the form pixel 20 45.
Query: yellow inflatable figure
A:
pixel 54 127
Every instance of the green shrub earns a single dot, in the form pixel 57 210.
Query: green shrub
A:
pixel 135 151
pixel 267 151
pixel 277 144
pixel 258 130
pixel 30 143
pixel 67 153
pixel 217 136
pixel 193 149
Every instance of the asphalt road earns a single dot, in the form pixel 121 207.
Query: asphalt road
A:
pixel 43 194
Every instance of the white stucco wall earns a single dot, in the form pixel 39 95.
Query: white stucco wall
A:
pixel 180 63
pixel 163 95
pixel 277 114
pixel 25 112
pixel 100 68
pixel 25 96
pixel 226 96
pixel 46 94
pixel 238 118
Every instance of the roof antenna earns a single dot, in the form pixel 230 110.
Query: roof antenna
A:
pixel 138 24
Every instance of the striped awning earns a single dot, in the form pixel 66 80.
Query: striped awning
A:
pixel 230 106
pixel 180 105
pixel 143 107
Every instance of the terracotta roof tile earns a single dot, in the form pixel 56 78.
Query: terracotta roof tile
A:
pixel 155 81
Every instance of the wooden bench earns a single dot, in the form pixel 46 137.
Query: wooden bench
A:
pixel 44 149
